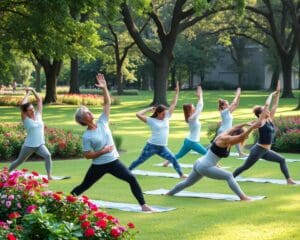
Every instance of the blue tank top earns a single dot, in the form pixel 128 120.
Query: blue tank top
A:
pixel 266 133
pixel 220 152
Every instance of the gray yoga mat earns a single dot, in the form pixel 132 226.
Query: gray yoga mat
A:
pixel 129 207
pixel 287 159
pixel 155 174
pixel 263 180
pixel 45 176
pixel 217 196
pixel 183 165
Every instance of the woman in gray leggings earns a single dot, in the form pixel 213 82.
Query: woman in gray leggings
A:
pixel 35 139
pixel 262 149
pixel 206 165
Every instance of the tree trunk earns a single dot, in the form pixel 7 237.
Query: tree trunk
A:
pixel 119 80
pixel 191 80
pixel 52 72
pixel 161 70
pixel 298 107
pixel 286 63
pixel 74 85
pixel 275 78
pixel 38 77
pixel 173 76
pixel 240 78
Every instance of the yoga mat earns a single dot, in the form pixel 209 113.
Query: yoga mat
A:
pixel 217 196
pixel 183 165
pixel 129 207
pixel 45 176
pixel 287 159
pixel 263 180
pixel 154 174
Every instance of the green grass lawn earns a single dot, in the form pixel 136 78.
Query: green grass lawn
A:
pixel 276 217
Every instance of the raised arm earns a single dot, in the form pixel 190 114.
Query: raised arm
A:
pixel 275 101
pixel 226 139
pixel 39 100
pixel 175 99
pixel 199 106
pixel 101 83
pixel 236 101
pixel 142 114
pixel 25 100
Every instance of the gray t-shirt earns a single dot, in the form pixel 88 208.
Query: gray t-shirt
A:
pixel 94 140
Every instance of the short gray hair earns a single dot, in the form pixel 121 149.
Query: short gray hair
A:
pixel 79 115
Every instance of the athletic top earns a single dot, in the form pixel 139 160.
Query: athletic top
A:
pixel 266 133
pixel 159 129
pixel 35 131
pixel 220 152
pixel 226 121
pixel 95 140
pixel 194 124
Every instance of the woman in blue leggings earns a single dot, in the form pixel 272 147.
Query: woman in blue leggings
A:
pixel 191 116
pixel 157 143
pixel 206 165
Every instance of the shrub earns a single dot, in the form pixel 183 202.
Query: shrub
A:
pixel 287 137
pixel 61 143
pixel 212 129
pixel 30 211
pixel 84 99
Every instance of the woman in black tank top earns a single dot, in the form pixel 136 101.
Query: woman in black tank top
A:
pixel 262 149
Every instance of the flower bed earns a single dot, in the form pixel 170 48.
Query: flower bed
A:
pixel 61 143
pixel 28 210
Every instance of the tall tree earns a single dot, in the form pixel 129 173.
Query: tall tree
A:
pixel 271 17
pixel 183 15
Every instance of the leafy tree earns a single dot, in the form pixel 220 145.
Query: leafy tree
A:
pixel 182 15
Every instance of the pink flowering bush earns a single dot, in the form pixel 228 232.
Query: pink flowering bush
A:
pixel 61 143
pixel 287 138
pixel 28 210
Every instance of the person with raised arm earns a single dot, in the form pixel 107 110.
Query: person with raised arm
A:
pixel 191 116
pixel 157 143
pixel 98 145
pixel 206 166
pixel 262 149
pixel 226 111
pixel 35 139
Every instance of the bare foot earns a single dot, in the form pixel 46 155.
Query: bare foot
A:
pixel 146 208
pixel 166 163
pixel 290 181
pixel 50 178
pixel 245 198
pixel 183 176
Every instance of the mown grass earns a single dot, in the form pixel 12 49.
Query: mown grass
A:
pixel 276 217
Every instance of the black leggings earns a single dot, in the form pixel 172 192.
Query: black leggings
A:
pixel 258 152
pixel 115 168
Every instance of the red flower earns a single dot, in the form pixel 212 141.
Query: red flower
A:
pixel 62 145
pixel 24 170
pixel 14 215
pixel 11 236
pixel 56 197
pixel 34 173
pixel 89 232
pixel 85 224
pixel 101 223
pixel 45 180
pixel 83 217
pixel 115 232
pixel 31 208
pixel 130 225
pixel 71 198
pixel 100 214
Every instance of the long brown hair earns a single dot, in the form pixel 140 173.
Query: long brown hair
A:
pixel 221 103
pixel 187 110
pixel 158 109
pixel 257 110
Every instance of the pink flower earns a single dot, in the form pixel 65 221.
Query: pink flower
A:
pixel 8 204
pixel 31 208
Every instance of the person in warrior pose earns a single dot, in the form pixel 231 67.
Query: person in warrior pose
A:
pixel 192 115
pixel 262 149
pixel 206 165
pixel 159 124
pixel 35 139
pixel 226 111
pixel 99 146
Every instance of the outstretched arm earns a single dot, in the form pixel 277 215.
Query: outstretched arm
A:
pixel 142 114
pixel 101 83
pixel 199 106
pixel 236 101
pixel 175 99
pixel 275 101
